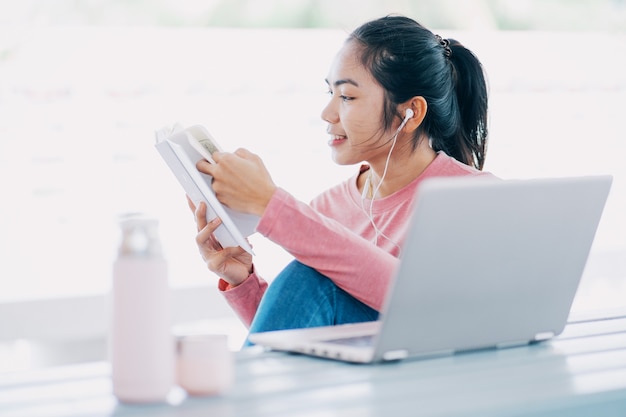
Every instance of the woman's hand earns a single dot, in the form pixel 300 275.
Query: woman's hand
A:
pixel 240 181
pixel 232 264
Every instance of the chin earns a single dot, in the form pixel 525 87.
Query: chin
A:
pixel 341 161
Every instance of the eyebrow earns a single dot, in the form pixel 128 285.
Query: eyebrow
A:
pixel 343 81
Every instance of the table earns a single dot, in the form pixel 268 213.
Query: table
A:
pixel 580 373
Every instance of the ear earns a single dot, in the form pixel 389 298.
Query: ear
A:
pixel 419 106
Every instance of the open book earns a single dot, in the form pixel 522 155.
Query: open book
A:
pixel 181 149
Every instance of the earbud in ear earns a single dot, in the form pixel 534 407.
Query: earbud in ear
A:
pixel 409 113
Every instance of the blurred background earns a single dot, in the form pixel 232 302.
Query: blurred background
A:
pixel 85 83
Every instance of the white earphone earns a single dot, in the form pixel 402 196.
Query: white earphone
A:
pixel 407 115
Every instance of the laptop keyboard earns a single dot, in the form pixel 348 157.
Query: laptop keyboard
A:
pixel 357 341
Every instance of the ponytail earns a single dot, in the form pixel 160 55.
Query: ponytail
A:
pixel 408 60
pixel 472 98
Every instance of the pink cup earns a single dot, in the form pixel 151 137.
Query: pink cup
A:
pixel 205 364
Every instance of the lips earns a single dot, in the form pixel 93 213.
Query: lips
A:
pixel 336 139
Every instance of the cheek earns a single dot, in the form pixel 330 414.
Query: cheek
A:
pixel 361 123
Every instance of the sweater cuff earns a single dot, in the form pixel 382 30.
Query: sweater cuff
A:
pixel 225 286
pixel 245 297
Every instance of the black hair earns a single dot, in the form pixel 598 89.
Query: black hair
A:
pixel 408 60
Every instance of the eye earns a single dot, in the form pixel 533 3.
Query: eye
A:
pixel 342 96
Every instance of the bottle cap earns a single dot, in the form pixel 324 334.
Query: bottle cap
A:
pixel 139 235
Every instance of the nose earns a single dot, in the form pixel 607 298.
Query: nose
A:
pixel 329 113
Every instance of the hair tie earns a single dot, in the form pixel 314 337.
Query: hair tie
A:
pixel 447 51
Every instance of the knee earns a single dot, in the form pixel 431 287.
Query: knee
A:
pixel 296 278
pixel 298 297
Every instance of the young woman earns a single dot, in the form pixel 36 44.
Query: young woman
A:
pixel 412 106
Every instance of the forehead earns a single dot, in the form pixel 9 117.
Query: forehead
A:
pixel 347 65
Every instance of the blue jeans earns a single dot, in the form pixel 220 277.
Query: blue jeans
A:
pixel 301 297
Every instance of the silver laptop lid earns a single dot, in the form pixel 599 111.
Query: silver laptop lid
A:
pixel 490 262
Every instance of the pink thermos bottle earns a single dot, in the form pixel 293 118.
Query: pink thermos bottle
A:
pixel 142 344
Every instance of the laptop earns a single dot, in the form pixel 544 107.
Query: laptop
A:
pixel 487 263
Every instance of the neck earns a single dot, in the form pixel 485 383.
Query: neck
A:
pixel 402 169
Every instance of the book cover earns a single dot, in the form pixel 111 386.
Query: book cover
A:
pixel 179 149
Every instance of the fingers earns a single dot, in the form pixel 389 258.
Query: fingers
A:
pixel 201 220
pixel 244 153
pixel 205 227
pixel 205 166
pixel 205 237
pixel 234 252
pixel 210 249
pixel 200 214
pixel 220 156
pixel 217 155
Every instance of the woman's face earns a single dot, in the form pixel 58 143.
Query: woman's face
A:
pixel 355 110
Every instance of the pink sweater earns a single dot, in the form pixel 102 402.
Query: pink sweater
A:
pixel 334 235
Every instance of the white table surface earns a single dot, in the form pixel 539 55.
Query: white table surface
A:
pixel 580 373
